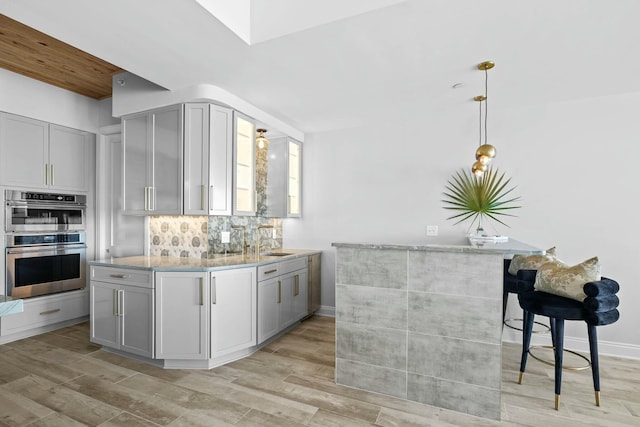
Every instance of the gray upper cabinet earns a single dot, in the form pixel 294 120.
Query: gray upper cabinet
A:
pixel 40 155
pixel 152 162
pixel 284 178
pixel 208 144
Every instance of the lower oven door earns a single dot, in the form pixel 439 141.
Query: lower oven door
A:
pixel 42 270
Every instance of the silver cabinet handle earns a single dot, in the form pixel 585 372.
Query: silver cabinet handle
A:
pixel 115 303
pixel 279 292
pixel 53 175
pixel 296 285
pixel 44 313
pixel 211 197
pixel 146 198
pixel 46 174
pixel 120 302
pixel 213 290
pixel 201 291
pixel 202 190
pixel 153 198
pixel 119 276
pixel 271 271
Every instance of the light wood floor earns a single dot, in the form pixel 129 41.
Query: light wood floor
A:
pixel 61 379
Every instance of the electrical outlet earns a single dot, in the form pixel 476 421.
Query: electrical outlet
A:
pixel 432 230
pixel 225 236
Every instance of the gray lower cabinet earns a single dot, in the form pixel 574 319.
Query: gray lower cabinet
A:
pixel 233 311
pixel 182 311
pixel 268 308
pixel 282 297
pixel 122 311
pixel 195 319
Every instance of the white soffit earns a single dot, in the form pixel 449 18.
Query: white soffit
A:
pixel 255 21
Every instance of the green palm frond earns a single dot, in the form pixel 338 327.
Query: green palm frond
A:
pixel 477 198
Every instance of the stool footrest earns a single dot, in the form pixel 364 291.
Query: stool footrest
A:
pixel 552 362
pixel 545 329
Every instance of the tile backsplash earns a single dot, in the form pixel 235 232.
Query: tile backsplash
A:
pixel 200 236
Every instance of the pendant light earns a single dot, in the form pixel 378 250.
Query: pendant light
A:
pixel 261 140
pixel 486 151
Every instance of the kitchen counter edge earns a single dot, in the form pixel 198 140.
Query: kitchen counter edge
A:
pixel 229 262
pixel 510 247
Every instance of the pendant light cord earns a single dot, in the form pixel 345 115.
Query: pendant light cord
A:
pixel 480 126
pixel 486 106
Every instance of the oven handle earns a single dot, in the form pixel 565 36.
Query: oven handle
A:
pixel 51 249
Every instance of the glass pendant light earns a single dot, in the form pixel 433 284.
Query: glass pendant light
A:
pixel 261 140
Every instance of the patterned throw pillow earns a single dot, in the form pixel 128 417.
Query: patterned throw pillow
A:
pixel 532 262
pixel 567 281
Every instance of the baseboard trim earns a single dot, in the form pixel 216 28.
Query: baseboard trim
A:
pixel 41 330
pixel 605 348
pixel 326 310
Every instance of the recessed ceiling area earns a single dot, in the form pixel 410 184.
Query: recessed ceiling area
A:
pixel 255 21
pixel 31 53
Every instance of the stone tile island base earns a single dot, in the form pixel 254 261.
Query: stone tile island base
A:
pixel 423 323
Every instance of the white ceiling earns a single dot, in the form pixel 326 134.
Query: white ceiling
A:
pixel 383 64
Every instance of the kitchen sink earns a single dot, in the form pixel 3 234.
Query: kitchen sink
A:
pixel 275 254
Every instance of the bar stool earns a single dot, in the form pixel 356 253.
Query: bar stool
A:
pixel 515 284
pixel 598 309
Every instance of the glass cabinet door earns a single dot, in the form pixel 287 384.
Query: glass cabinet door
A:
pixel 294 183
pixel 244 188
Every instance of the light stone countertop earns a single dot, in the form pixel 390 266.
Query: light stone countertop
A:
pixel 451 244
pixel 223 262
pixel 9 305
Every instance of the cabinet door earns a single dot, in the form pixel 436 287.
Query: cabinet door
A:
pixel 166 161
pixel 181 310
pixel 69 158
pixel 136 169
pixel 24 152
pixel 196 159
pixel 244 149
pixel 269 293
pixel 105 322
pixel 294 179
pixel 136 316
pixel 220 160
pixel 233 310
pixel 300 294
pixel 286 314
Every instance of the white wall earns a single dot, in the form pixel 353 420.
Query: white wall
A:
pixel 32 98
pixel 575 165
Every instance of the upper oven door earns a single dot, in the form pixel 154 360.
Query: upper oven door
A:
pixel 32 216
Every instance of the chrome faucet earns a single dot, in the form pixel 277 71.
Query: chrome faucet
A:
pixel 245 245
pixel 260 227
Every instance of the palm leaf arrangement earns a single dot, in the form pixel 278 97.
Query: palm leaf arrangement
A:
pixel 477 198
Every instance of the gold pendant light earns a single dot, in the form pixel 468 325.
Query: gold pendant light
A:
pixel 486 151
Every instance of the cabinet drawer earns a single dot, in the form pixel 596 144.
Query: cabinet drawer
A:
pixel 46 311
pixel 127 276
pixel 268 271
pixel 293 265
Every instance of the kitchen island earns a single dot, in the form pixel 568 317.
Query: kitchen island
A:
pixel 423 322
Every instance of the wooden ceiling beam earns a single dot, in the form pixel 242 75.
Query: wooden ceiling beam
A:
pixel 29 52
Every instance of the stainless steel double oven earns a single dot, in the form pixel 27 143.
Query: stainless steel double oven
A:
pixel 45 243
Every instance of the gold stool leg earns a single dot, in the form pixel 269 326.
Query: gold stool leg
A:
pixel 520 377
pixel 597 398
pixel 557 401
